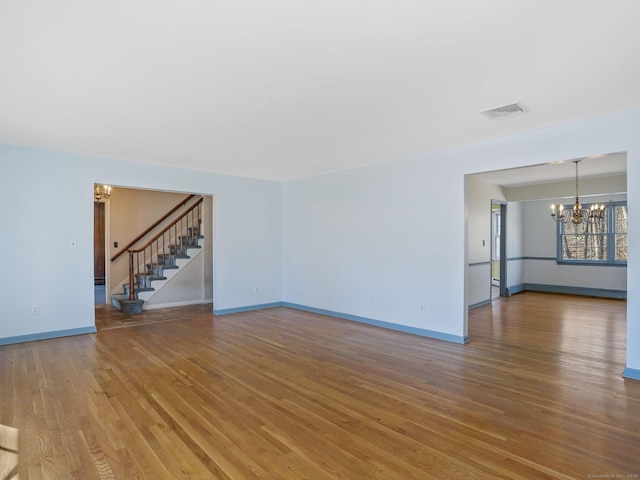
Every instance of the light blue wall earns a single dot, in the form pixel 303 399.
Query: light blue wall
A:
pixel 540 266
pixel 382 240
pixel 371 242
pixel 376 242
pixel 47 200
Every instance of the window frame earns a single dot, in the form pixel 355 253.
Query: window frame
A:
pixel 610 240
pixel 496 221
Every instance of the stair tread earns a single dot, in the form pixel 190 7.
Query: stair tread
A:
pixel 137 289
pixel 150 276
pixel 165 260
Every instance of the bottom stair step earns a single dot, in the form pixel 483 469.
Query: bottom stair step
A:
pixel 136 289
pixel 130 307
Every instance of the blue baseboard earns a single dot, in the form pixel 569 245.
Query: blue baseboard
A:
pixel 513 289
pixel 589 292
pixel 479 304
pixel 248 308
pixel 47 335
pixel 379 323
pixel 632 373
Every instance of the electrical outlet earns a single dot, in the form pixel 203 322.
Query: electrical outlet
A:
pixel 35 310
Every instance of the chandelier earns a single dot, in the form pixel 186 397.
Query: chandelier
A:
pixel 578 215
pixel 101 191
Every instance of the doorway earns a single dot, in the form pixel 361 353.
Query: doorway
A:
pixel 497 281
pixel 129 211
pixel 99 256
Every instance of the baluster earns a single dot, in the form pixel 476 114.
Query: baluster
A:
pixel 180 234
pixel 144 262
pixel 131 295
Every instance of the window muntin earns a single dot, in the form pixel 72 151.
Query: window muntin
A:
pixel 620 232
pixel 605 243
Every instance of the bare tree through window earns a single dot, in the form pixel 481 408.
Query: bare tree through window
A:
pixel 604 242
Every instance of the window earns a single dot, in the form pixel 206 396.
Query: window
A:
pixel 605 243
pixel 620 232
pixel 496 220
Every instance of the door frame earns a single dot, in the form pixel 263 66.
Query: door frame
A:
pixel 503 247
pixel 107 260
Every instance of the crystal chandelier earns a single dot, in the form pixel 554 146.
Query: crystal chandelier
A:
pixel 578 215
pixel 101 191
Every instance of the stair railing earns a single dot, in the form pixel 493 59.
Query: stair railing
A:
pixel 150 228
pixel 162 250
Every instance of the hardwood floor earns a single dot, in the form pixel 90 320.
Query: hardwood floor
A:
pixel 108 317
pixel 286 394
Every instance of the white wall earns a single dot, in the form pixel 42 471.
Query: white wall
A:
pixel 478 199
pixel 370 242
pixel 367 241
pixel 185 288
pixel 515 244
pixel 47 200
pixel 565 190
pixel 395 232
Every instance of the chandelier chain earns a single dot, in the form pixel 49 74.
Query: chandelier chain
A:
pixel 579 215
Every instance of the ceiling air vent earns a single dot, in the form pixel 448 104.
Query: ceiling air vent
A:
pixel 504 111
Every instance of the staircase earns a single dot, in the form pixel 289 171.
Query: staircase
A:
pixel 153 265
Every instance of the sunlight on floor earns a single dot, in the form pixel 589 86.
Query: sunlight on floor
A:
pixel 8 453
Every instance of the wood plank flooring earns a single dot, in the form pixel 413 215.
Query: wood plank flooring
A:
pixel 108 317
pixel 284 394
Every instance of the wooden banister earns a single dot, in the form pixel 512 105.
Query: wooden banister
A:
pixel 149 229
pixel 147 263
pixel 167 228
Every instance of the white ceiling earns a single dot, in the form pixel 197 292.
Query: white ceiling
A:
pixel 596 166
pixel 283 89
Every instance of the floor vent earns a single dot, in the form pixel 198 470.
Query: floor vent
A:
pixel 504 111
